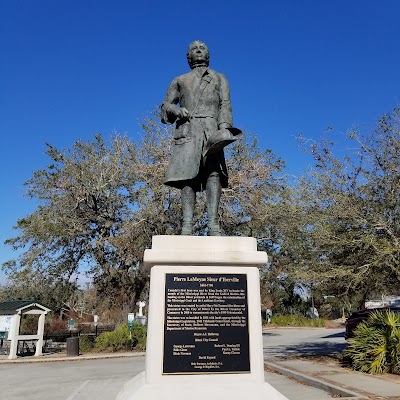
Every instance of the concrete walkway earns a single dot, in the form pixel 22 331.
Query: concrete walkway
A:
pixel 325 377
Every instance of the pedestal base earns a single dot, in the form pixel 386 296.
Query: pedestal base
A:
pixel 138 389
pixel 204 328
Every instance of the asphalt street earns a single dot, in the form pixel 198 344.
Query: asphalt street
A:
pixel 297 341
pixel 68 380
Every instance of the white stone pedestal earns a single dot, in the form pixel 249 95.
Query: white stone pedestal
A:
pixel 203 263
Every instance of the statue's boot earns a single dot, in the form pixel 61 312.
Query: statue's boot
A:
pixel 188 200
pixel 213 191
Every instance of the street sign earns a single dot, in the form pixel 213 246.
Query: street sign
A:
pixel 131 319
pixel 71 324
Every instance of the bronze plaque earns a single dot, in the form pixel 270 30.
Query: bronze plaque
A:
pixel 206 324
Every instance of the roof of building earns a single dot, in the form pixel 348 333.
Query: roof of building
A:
pixel 15 306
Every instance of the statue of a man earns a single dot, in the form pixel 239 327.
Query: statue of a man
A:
pixel 203 127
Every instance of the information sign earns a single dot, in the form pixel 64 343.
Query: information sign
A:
pixel 5 322
pixel 131 319
pixel 3 335
pixel 206 324
pixel 71 324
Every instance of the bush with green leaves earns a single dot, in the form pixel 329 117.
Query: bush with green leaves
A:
pixel 119 339
pixel 86 343
pixel 297 320
pixel 139 337
pixel 375 347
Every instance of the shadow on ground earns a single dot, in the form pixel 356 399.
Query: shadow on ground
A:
pixel 307 348
pixel 334 335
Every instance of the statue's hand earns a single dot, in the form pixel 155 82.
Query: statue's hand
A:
pixel 182 113
pixel 176 112
pixel 224 125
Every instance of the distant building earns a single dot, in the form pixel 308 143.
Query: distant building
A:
pixel 385 301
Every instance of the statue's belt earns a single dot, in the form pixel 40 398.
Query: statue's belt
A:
pixel 203 116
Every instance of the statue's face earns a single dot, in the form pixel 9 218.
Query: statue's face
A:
pixel 198 53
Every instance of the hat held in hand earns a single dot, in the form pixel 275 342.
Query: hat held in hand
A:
pixel 218 140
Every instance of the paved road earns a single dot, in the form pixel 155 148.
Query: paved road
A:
pixel 68 380
pixel 102 379
pixel 282 342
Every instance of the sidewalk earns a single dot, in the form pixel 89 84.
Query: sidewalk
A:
pixel 338 381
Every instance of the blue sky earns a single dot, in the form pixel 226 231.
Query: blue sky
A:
pixel 70 69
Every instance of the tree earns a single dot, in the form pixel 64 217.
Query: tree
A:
pixel 256 203
pixel 353 208
pixel 35 286
pixel 84 195
pixel 100 204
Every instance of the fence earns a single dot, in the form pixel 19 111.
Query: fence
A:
pixel 54 342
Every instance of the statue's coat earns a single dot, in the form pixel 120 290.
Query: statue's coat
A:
pixel 208 110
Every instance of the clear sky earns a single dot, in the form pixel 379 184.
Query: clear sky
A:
pixel 70 69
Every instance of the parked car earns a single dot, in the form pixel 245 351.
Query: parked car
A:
pixel 361 315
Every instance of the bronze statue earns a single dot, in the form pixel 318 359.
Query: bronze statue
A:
pixel 203 127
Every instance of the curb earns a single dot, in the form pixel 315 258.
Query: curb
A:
pixel 32 359
pixel 314 382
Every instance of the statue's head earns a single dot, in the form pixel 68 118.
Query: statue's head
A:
pixel 198 54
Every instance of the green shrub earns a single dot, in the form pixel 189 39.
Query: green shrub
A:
pixel 86 343
pixel 296 320
pixel 119 339
pixel 139 337
pixel 375 347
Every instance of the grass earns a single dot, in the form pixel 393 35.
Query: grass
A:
pixel 297 320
